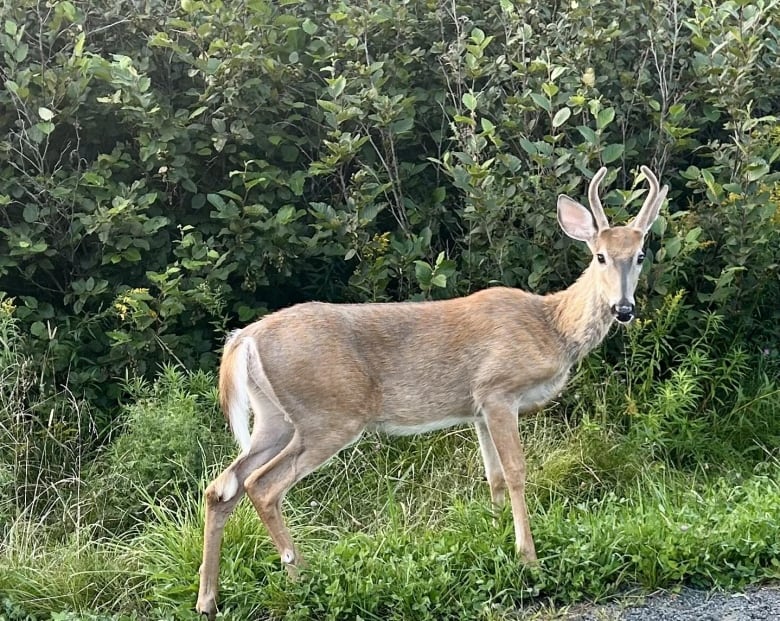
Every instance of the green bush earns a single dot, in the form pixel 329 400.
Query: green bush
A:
pixel 170 171
pixel 169 434
pixel 46 436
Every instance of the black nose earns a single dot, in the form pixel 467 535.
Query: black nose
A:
pixel 623 312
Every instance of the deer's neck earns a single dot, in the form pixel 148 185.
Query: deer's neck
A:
pixel 581 316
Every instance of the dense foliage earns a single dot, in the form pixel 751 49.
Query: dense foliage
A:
pixel 172 169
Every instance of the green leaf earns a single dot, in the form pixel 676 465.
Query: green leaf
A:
pixel 38 329
pixel 216 200
pixel 309 27
pixel 561 117
pixel 459 118
pixel 588 134
pixel 550 89
pixel 611 153
pixel 423 272
pixel 328 105
pixel 605 117
pixel 68 9
pixel 336 86
pixel 296 182
pixel 20 53
pixel 45 114
pixel 756 170
pixel 286 214
pixel 30 213
pixel 542 102
pixel 133 255
pixel 197 112
pixel 440 280
pixel 470 101
pixel 46 128
pixel 673 246
pixel 528 146
pixel 402 125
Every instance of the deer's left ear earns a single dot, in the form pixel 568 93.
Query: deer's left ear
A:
pixel 576 221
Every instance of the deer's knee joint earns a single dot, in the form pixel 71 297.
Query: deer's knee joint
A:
pixel 288 556
pixel 222 489
pixel 252 483
pixel 496 480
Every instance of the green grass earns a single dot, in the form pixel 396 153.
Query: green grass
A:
pixel 434 561
pixel 403 529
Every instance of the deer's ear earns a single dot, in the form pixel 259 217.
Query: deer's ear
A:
pixel 576 221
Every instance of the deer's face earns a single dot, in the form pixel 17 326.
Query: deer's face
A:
pixel 617 251
pixel 617 262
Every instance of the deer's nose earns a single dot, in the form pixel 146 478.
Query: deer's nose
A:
pixel 623 311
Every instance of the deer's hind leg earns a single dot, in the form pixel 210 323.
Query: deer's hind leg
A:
pixel 270 437
pixel 310 447
pixel 493 470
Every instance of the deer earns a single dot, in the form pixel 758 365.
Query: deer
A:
pixel 317 376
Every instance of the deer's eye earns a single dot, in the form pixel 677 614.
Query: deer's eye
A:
pixel 601 258
pixel 640 257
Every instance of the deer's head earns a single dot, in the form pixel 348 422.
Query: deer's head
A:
pixel 618 251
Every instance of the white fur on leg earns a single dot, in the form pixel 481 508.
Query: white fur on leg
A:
pixel 226 486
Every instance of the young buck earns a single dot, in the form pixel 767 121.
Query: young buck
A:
pixel 316 376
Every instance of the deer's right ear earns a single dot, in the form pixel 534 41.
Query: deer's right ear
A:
pixel 575 220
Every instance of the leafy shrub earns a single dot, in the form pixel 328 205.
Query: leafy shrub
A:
pixel 45 435
pixel 169 171
pixel 679 396
pixel 169 435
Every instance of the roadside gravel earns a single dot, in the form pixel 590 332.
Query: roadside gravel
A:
pixel 754 604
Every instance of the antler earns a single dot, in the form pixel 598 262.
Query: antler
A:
pixel 595 202
pixel 653 181
pixel 652 204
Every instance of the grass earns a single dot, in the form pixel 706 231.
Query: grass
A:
pixel 450 561
pixel 403 529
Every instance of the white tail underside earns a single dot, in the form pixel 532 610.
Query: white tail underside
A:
pixel 238 408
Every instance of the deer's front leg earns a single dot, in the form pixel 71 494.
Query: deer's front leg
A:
pixel 501 422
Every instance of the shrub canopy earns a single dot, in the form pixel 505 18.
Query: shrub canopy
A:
pixel 168 170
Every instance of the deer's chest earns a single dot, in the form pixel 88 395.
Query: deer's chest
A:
pixel 539 394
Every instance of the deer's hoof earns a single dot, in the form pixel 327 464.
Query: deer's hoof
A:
pixel 528 556
pixel 207 608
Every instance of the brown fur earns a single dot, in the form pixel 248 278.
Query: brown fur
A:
pixel 319 375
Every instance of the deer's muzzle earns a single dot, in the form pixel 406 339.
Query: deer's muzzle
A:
pixel 623 311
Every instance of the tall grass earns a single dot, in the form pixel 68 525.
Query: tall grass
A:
pixel 657 470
